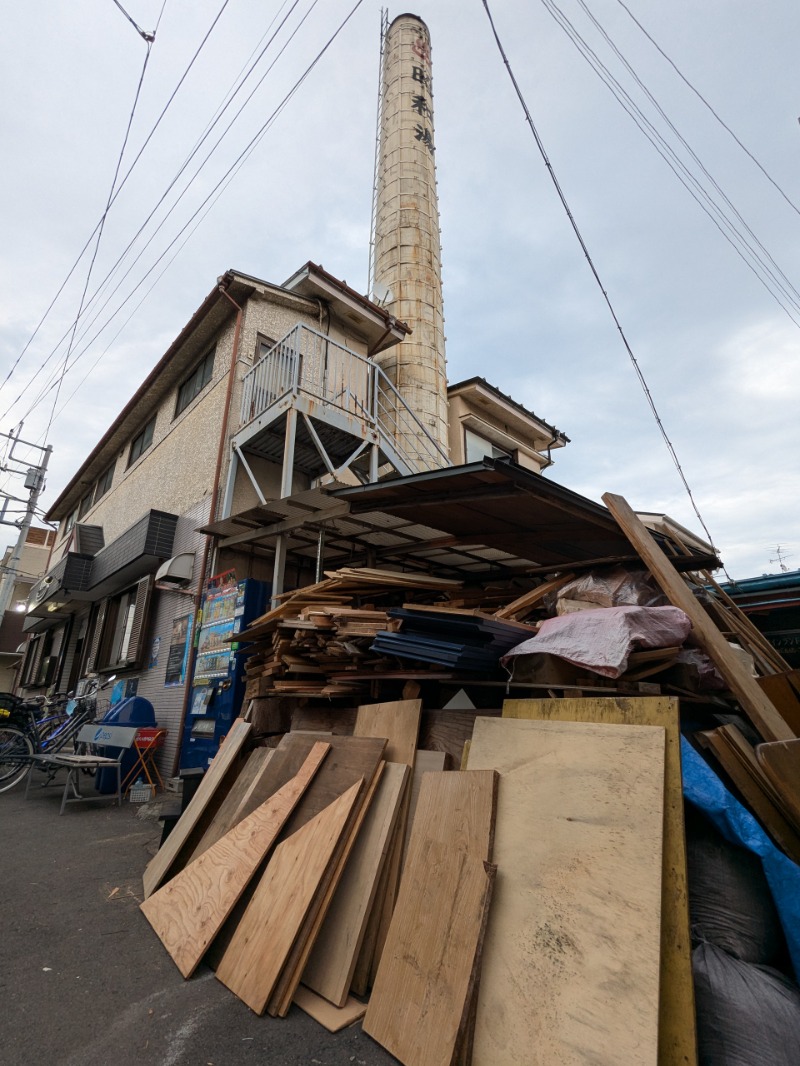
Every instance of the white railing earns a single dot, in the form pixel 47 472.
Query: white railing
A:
pixel 306 361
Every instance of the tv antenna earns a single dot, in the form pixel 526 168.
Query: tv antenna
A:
pixel 780 555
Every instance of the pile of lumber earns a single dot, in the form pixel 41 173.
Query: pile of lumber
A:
pixel 339 864
pixel 530 907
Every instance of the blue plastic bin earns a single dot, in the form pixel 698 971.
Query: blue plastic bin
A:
pixel 135 710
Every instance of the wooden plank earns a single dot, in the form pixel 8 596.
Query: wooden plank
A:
pixel 331 963
pixel 525 603
pixel 188 912
pixel 454 820
pixel 283 995
pixel 227 816
pixel 754 702
pixel 421 998
pixel 677 1041
pixel 399 723
pixel 333 1018
pixel 784 691
pixel 425 762
pixel 350 759
pixel 264 937
pixel 750 782
pixel 571 958
pixel 159 866
pixel 780 761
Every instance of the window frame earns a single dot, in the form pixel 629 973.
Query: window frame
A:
pixel 496 453
pixel 194 383
pixel 143 439
pixel 103 484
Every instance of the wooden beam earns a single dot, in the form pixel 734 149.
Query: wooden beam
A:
pixel 754 702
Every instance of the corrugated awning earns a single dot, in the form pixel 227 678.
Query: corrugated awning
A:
pixel 484 518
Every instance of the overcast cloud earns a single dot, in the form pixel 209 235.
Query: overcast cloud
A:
pixel 522 309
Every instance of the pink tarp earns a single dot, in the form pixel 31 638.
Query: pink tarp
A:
pixel 602 640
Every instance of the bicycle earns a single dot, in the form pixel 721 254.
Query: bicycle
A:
pixel 25 734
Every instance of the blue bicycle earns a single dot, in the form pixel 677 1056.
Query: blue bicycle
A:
pixel 25 731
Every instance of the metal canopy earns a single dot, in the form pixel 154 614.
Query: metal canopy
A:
pixel 478 520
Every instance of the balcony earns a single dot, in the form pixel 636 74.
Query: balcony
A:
pixel 351 415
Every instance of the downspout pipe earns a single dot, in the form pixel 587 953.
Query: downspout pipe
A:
pixel 223 436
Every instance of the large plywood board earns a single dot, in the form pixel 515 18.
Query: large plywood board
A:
pixel 421 997
pixel 281 999
pixel 267 930
pixel 350 759
pixel 331 963
pixel 572 953
pixel 189 910
pixel 228 814
pixel 677 1037
pixel 159 866
pixel 397 721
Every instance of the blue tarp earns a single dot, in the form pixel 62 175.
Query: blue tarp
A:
pixel 703 788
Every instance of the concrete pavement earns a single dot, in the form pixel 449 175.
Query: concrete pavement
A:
pixel 84 980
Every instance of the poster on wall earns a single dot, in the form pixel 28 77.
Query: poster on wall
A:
pixel 178 653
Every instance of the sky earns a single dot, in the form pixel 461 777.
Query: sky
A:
pixel 718 348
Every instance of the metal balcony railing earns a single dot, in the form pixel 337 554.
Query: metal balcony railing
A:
pixel 307 362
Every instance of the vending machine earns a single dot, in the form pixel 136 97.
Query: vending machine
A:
pixel 218 683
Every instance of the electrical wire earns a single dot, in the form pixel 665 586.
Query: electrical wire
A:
pixel 777 275
pixel 585 250
pixel 119 190
pixel 149 39
pixel 729 230
pixel 166 192
pixel 706 104
pixel 230 173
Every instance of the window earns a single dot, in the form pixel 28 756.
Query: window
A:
pixel 104 481
pixel 263 345
pixel 142 441
pixel 97 491
pixel 476 447
pixel 69 523
pixel 196 382
pixel 86 503
pixel 119 628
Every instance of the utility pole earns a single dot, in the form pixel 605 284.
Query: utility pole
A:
pixel 34 482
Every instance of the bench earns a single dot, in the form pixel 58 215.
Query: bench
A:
pixel 92 736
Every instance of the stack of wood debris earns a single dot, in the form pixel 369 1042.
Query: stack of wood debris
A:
pixel 530 906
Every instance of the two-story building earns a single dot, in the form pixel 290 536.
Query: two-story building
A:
pixel 269 390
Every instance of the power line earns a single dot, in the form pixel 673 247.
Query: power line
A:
pixel 149 39
pixel 166 192
pixel 706 104
pixel 226 178
pixel 119 190
pixel 727 228
pixel 585 250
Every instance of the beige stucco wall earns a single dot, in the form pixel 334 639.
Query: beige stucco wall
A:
pixel 491 426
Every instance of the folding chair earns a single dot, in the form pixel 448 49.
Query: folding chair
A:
pixel 96 734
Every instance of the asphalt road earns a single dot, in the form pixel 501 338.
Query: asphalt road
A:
pixel 84 980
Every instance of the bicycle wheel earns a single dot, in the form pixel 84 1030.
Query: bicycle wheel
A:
pixel 15 751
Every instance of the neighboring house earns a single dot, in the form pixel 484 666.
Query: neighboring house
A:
pixel 268 391
pixel 772 603
pixel 32 565
pixel 484 421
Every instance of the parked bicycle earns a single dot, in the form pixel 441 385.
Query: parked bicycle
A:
pixel 27 728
